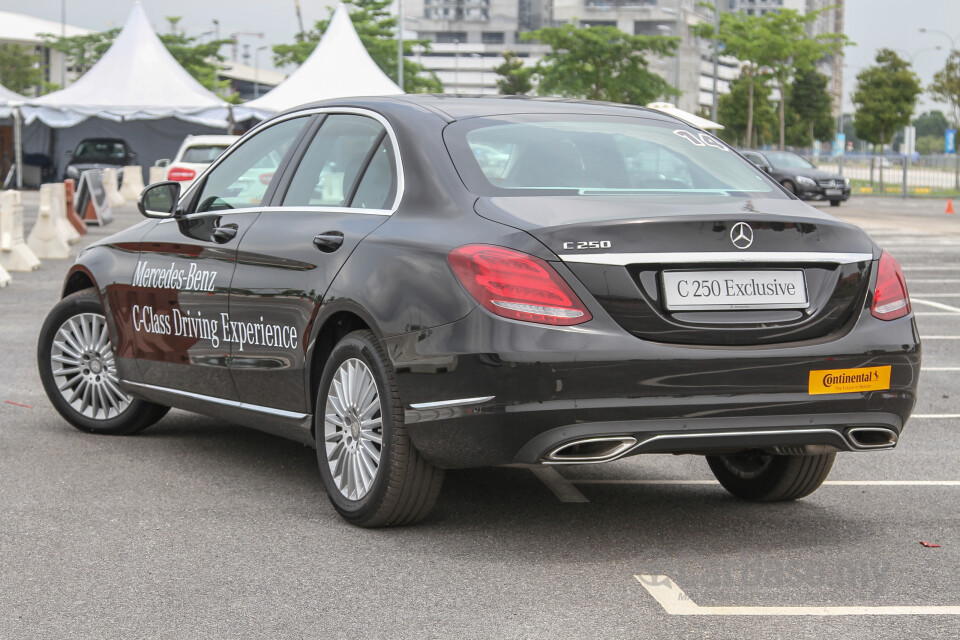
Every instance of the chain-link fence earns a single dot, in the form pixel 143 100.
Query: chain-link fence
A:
pixel 920 176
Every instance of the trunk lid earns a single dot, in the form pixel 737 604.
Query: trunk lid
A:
pixel 802 273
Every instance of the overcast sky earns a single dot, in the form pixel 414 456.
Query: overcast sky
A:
pixel 870 23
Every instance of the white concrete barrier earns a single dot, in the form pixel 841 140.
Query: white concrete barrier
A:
pixel 15 255
pixel 110 187
pixel 60 213
pixel 132 183
pixel 4 278
pixel 45 238
pixel 157 174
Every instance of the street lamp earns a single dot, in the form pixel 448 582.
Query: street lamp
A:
pixel 256 71
pixel 400 44
pixel 953 40
pixel 456 67
pixel 913 55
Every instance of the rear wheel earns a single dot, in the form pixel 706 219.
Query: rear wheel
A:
pixel 79 373
pixel 763 477
pixel 374 475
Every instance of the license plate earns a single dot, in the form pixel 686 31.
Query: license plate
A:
pixel 715 290
pixel 833 192
pixel 849 380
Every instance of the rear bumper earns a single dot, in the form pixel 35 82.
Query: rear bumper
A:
pixel 486 391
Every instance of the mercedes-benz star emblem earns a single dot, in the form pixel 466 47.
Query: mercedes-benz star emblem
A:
pixel 741 235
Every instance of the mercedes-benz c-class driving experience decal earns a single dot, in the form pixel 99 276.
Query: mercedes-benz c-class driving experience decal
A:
pixel 420 283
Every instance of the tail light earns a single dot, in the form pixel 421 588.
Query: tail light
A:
pixel 515 285
pixel 890 298
pixel 181 174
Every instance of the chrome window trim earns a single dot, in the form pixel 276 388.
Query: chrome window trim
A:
pixel 450 403
pixel 623 259
pixel 215 400
pixel 401 183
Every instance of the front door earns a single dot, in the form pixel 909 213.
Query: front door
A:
pixel 182 278
pixel 344 187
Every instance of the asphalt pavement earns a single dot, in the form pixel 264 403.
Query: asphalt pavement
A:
pixel 200 529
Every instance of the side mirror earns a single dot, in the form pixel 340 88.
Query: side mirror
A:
pixel 159 200
pixel 162 162
pixel 69 154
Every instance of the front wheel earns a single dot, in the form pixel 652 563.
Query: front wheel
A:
pixel 763 477
pixel 79 372
pixel 372 472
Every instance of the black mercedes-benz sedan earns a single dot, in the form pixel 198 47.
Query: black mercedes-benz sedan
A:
pixel 800 177
pixel 417 283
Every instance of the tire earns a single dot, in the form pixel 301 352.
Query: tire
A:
pixel 78 370
pixel 835 203
pixel 402 487
pixel 764 477
pixel 789 186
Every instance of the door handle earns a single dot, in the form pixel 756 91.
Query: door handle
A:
pixel 225 233
pixel 329 241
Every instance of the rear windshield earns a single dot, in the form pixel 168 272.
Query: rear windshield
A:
pixel 203 153
pixel 107 149
pixel 593 155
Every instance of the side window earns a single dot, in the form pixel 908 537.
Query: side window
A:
pixel 378 187
pixel 333 162
pixel 241 180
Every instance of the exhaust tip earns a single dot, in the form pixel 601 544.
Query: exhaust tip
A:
pixel 591 450
pixel 872 437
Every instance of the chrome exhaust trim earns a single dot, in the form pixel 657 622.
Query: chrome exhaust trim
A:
pixel 591 450
pixel 872 438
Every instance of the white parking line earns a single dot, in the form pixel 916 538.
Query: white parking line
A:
pixel 934 313
pixel 934 416
pixel 676 603
pixel 836 483
pixel 939 337
pixel 939 268
pixel 561 487
pixel 940 369
pixel 912 282
pixel 935 305
pixel 937 295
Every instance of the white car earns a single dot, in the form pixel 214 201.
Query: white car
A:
pixel 195 154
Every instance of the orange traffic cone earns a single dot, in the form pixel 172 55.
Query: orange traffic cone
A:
pixel 949 206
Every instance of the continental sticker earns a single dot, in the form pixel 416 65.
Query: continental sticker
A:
pixel 849 380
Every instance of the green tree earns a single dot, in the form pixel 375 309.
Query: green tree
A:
pixel 19 68
pixel 81 52
pixel 931 123
pixel 885 96
pixel 514 78
pixel 377 29
pixel 741 36
pixel 809 108
pixel 200 59
pixel 735 115
pixel 788 51
pixel 946 84
pixel 601 63
pixel 927 145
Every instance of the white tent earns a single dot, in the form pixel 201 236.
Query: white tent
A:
pixel 6 98
pixel 339 67
pixel 686 116
pixel 137 91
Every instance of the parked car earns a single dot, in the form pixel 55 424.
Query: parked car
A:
pixel 800 177
pixel 621 283
pixel 99 153
pixel 195 155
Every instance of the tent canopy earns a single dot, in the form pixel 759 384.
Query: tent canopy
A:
pixel 7 97
pixel 136 79
pixel 339 67
pixel 686 116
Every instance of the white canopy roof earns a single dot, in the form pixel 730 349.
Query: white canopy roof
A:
pixel 686 116
pixel 339 67
pixel 6 97
pixel 136 79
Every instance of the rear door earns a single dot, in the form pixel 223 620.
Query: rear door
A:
pixel 341 186
pixel 182 278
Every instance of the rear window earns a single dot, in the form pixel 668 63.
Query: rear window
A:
pixel 203 153
pixel 591 155
pixel 108 149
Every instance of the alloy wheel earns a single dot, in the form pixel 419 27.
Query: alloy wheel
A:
pixel 84 368
pixel 353 429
